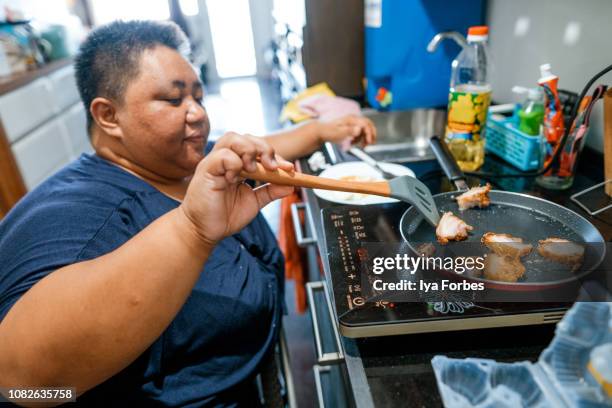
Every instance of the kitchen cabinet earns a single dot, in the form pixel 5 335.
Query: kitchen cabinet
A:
pixel 75 121
pixel 42 128
pixel 331 376
pixel 65 91
pixel 42 151
pixel 25 108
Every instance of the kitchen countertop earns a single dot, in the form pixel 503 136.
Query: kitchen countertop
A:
pixel 11 82
pixel 396 370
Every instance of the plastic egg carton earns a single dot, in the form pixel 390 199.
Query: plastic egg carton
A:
pixel 483 383
pixel 560 378
pixel 584 327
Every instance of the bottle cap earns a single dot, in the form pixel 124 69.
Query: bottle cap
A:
pixel 478 33
pixel 545 70
pixel 478 30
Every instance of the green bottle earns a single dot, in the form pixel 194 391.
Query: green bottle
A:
pixel 531 113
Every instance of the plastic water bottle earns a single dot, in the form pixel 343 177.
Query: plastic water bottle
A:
pixel 468 101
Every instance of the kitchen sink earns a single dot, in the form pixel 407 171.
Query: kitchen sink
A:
pixel 403 136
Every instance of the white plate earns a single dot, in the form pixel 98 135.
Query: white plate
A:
pixel 360 169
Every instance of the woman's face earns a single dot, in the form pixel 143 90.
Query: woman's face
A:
pixel 163 122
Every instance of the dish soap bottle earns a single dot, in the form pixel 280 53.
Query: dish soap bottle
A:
pixel 468 101
pixel 531 113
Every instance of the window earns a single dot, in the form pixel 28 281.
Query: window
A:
pixel 232 37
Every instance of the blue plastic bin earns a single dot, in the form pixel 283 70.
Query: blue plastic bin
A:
pixel 505 140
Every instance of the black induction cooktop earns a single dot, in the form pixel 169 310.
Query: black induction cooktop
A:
pixel 348 228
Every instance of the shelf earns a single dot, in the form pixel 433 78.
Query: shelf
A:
pixel 11 82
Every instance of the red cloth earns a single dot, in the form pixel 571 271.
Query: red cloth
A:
pixel 295 267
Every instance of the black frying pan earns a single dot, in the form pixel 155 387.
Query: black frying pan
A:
pixel 521 215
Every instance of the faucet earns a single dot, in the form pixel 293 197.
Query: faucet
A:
pixel 453 35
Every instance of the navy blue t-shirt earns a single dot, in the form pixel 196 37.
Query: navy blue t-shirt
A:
pixel 228 323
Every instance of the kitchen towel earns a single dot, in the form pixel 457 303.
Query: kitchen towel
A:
pixel 326 107
pixel 294 261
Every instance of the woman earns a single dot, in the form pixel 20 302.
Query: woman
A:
pixel 144 273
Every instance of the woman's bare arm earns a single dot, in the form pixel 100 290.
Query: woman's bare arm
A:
pixel 303 139
pixel 85 322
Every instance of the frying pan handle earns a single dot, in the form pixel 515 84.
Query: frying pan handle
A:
pixel 447 161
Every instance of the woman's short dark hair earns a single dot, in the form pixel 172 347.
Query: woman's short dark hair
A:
pixel 109 57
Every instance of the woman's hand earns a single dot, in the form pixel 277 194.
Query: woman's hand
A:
pixel 218 203
pixel 351 128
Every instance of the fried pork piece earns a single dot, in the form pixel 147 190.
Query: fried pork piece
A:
pixel 451 228
pixel 506 244
pixel 561 250
pixel 474 197
pixel 503 268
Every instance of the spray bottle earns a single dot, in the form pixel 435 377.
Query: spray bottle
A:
pixel 531 112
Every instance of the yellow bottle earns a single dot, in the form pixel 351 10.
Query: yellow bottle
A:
pixel 468 102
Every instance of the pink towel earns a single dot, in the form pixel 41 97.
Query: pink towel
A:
pixel 325 107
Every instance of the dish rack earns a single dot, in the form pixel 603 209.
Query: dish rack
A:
pixel 505 139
